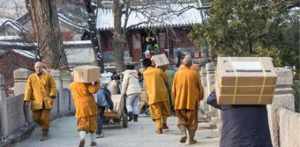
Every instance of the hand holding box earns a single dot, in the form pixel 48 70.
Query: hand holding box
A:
pixel 86 74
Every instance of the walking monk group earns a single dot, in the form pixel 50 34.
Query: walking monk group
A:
pixel 187 92
pixel 86 109
pixel 155 83
pixel 40 90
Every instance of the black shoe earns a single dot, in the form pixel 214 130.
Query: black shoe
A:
pixel 135 118
pixel 93 144
pixel 130 116
pixel 81 144
pixel 182 139
pixel 44 135
pixel 100 135
pixel 165 126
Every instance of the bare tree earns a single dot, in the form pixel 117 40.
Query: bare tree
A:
pixel 47 32
pixel 94 36
pixel 119 42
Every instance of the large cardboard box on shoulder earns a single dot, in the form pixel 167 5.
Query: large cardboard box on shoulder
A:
pixel 160 60
pixel 245 80
pixel 86 73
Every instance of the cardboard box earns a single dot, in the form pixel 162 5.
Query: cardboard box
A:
pixel 160 59
pixel 245 80
pixel 86 73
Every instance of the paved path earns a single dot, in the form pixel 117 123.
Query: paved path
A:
pixel 141 134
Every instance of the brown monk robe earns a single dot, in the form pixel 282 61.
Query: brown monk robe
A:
pixel 155 85
pixel 188 92
pixel 40 90
pixel 86 109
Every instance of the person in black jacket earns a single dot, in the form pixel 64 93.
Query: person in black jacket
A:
pixel 243 125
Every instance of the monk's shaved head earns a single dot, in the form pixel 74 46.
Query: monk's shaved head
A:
pixel 187 61
pixel 39 63
pixel 39 67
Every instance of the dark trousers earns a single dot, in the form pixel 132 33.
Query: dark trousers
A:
pixel 100 119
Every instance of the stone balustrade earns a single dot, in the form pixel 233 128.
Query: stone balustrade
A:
pixel 15 119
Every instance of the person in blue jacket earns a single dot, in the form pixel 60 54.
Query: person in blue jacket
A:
pixel 243 125
pixel 103 101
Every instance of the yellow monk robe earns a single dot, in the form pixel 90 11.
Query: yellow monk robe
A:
pixel 155 84
pixel 159 113
pixel 188 92
pixel 85 105
pixel 38 90
pixel 195 67
pixel 187 89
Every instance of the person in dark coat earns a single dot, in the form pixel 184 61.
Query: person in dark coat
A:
pixel 103 101
pixel 243 125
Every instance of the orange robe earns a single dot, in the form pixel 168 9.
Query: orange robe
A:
pixel 155 85
pixel 38 90
pixel 188 92
pixel 85 105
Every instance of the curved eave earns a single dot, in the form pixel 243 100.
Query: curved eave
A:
pixel 151 26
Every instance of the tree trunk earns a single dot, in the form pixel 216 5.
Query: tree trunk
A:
pixel 94 36
pixel 47 32
pixel 119 39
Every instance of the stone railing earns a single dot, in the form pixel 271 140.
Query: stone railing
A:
pixel 283 98
pixel 16 120
pixel 12 117
pixel 297 94
pixel 208 83
pixel 289 128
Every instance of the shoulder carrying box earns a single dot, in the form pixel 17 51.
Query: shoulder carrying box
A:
pixel 245 80
pixel 86 73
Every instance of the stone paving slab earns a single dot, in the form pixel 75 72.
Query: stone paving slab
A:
pixel 141 134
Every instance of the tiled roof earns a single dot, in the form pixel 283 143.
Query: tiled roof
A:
pixel 173 15
pixel 9 22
